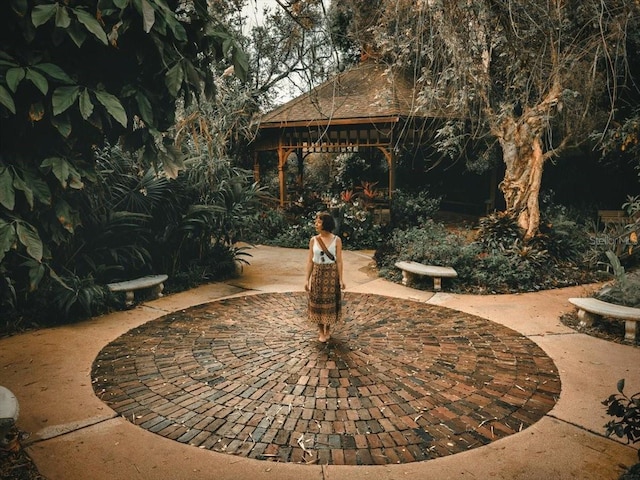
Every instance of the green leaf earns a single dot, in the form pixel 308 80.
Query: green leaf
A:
pixel 620 385
pixel 63 125
pixel 7 100
pixel 77 33
pixel 42 13
pixel 173 79
pixel 38 186
pixel 36 272
pixel 63 20
pixel 13 77
pixel 19 184
pixel 7 238
pixel 7 193
pixel 121 4
pixel 92 25
pixel 75 180
pixel 113 106
pixel 53 71
pixel 176 27
pixel 67 218
pixel 29 237
pixel 57 278
pixel 63 98
pixel 192 74
pixel 145 108
pixel 60 168
pixel 226 46
pixel 38 80
pixel 86 107
pixel 148 16
pixel 240 64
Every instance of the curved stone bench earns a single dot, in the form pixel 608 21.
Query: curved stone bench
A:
pixel 9 410
pixel 154 282
pixel 410 269
pixel 591 309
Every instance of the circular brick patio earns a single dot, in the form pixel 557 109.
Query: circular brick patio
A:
pixel 400 381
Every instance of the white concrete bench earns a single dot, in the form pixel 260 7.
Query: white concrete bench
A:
pixel 410 269
pixel 590 309
pixel 154 282
pixel 9 410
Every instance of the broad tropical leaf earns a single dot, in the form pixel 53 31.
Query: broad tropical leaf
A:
pixel 63 98
pixel 19 184
pixel 86 106
pixel 7 100
pixel 29 237
pixel 174 78
pixel 7 193
pixel 42 13
pixel 36 272
pixel 113 106
pixel 38 80
pixel 148 16
pixel 144 105
pixel 63 20
pixel 7 237
pixel 92 25
pixel 53 71
pixel 66 174
pixel 67 217
pixel 13 77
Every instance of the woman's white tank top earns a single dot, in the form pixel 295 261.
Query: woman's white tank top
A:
pixel 318 254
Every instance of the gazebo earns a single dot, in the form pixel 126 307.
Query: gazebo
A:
pixel 368 106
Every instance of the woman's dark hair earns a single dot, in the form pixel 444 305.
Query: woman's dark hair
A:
pixel 328 223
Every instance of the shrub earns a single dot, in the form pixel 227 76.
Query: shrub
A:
pixel 429 243
pixel 563 237
pixel 357 228
pixel 411 209
pixel 296 235
pixel 265 225
pixel 78 299
pixel 498 231
pixel 625 290
pixel 516 269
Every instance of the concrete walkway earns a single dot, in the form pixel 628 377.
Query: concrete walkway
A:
pixel 75 435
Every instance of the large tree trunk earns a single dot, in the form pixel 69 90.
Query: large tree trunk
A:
pixel 523 157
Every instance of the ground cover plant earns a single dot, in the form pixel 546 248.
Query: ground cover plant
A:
pixel 625 422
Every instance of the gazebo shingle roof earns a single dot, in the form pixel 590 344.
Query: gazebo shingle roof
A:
pixel 367 91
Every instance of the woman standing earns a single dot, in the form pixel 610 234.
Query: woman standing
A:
pixel 324 276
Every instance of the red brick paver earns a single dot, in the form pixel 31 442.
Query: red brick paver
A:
pixel 400 381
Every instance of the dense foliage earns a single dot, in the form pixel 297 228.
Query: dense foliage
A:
pixel 72 76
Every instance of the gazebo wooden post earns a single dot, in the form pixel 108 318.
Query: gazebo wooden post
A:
pixel 391 161
pixel 256 167
pixel 282 158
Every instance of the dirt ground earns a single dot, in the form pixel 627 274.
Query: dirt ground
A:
pixel 15 464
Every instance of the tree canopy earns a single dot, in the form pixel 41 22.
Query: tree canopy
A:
pixel 528 79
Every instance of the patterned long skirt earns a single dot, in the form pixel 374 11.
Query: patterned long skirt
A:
pixel 325 302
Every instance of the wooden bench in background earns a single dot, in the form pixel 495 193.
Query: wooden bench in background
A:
pixel 613 217
pixel 410 269
pixel 591 309
pixel 153 282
